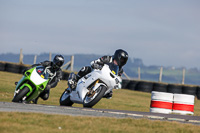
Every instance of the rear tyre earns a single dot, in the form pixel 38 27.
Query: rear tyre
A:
pixel 65 99
pixel 89 102
pixel 19 96
pixel 160 87
pixel 22 68
pixel 198 93
pixel 190 90
pixel 2 66
pixel 132 85
pixel 14 68
pixel 144 86
pixel 125 83
pixel 172 88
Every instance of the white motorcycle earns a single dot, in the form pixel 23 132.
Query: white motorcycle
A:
pixel 92 87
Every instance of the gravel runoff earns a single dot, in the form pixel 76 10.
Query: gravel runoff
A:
pixel 76 111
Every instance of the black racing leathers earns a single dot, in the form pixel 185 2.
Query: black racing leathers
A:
pixel 106 60
pixel 95 64
pixel 57 78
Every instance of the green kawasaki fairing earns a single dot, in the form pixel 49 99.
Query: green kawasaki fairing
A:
pixel 34 89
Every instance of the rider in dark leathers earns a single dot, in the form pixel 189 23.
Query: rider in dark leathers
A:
pixel 55 68
pixel 119 58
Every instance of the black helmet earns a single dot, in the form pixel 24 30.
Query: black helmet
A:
pixel 121 57
pixel 58 61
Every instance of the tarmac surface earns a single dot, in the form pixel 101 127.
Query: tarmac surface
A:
pixel 77 111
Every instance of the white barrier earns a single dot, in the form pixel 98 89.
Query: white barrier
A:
pixel 161 102
pixel 183 104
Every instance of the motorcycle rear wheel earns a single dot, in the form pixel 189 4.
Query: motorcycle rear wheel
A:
pixel 19 96
pixel 65 99
pixel 90 102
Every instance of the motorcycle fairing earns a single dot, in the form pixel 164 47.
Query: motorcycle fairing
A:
pixel 36 81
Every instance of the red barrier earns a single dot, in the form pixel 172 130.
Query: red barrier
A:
pixel 183 107
pixel 161 104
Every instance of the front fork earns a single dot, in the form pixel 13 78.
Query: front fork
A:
pixel 21 87
pixel 92 92
pixel 16 92
pixel 94 89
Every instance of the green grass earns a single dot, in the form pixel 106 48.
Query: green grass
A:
pixel 122 100
pixel 36 123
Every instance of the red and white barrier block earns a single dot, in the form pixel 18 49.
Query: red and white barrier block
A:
pixel 167 103
pixel 161 102
pixel 183 104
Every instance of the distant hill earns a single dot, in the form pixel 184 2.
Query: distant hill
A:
pixel 79 59
pixel 151 73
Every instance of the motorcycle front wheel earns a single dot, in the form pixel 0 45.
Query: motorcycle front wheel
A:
pixel 65 99
pixel 19 96
pixel 89 101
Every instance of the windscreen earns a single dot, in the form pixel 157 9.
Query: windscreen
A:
pixel 114 68
pixel 42 71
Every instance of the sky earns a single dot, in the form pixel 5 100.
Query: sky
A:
pixel 164 33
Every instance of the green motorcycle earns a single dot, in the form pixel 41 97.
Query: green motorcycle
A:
pixel 32 84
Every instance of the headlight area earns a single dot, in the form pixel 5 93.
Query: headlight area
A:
pixel 28 74
pixel 42 87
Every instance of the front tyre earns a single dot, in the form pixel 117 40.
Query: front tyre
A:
pixel 19 96
pixel 89 101
pixel 65 99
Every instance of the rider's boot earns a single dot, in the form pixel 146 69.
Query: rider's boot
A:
pixel 108 95
pixel 72 80
pixel 35 100
pixel 44 95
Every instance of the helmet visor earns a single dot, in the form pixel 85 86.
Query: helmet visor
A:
pixel 59 64
pixel 123 60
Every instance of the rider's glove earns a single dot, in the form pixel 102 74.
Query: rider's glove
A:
pixel 120 72
pixel 96 66
pixel 23 71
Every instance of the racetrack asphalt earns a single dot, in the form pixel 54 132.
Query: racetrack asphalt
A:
pixel 78 111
